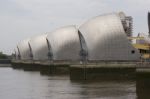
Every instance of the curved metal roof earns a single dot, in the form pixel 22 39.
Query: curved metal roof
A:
pixel 65 43
pixel 106 39
pixel 23 49
pixel 39 47
pixel 16 53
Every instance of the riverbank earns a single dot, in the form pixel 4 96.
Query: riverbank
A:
pixel 5 63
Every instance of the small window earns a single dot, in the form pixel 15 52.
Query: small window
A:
pixel 132 51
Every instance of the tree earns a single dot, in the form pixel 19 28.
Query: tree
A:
pixel 3 56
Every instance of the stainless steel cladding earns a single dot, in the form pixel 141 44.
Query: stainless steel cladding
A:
pixel 39 47
pixel 16 54
pixel 65 43
pixel 106 39
pixel 24 50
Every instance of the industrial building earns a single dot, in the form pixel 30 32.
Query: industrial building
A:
pixel 143 45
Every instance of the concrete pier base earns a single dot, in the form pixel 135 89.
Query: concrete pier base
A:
pixel 45 68
pixel 55 70
pixel 143 83
pixel 90 71
pixel 109 71
pixel 26 66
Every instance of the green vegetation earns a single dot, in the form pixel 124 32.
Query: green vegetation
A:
pixel 3 56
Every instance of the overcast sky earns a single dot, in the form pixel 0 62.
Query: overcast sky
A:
pixel 20 19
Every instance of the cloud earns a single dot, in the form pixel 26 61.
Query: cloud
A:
pixel 136 8
pixel 21 19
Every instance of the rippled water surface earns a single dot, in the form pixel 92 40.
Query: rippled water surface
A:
pixel 19 84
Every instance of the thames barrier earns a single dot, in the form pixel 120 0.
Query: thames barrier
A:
pixel 102 48
pixel 103 45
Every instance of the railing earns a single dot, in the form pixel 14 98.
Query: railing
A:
pixel 76 62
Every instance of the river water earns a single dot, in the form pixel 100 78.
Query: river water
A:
pixel 20 84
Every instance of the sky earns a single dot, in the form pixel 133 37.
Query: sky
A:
pixel 21 19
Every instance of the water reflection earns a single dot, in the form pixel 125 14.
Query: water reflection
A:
pixel 143 85
pixel 18 84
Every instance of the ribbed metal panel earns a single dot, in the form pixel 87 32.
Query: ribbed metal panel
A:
pixel 24 49
pixel 65 43
pixel 39 47
pixel 16 54
pixel 106 39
